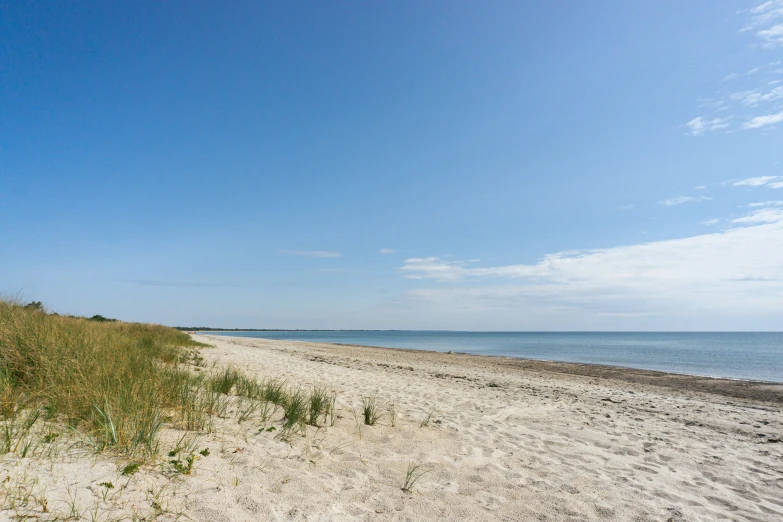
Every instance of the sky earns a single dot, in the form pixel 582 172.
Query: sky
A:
pixel 456 165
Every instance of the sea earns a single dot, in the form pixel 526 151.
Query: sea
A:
pixel 735 355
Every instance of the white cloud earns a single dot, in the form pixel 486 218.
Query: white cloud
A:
pixel 763 121
pixel 735 272
pixel 310 253
pixel 766 22
pixel 773 36
pixel 776 185
pixel 766 204
pixel 756 97
pixel 765 215
pixel 698 126
pixel 754 182
pixel 710 222
pixel 683 199
pixel 386 251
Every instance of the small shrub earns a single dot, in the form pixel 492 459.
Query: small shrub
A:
pixel 183 466
pixel 131 468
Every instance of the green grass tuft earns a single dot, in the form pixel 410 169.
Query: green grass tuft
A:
pixel 371 411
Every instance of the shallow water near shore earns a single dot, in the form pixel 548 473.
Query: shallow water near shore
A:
pixel 734 355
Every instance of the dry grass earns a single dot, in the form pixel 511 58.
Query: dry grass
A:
pixel 115 382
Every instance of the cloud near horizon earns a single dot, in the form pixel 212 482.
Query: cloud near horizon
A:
pixel 738 269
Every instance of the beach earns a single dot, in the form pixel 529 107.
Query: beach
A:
pixel 485 438
pixel 508 440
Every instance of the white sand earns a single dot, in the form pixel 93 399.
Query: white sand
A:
pixel 504 444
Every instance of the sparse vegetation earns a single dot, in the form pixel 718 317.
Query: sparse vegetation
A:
pixel 412 476
pixel 114 386
pixel 296 411
pixel 225 380
pixel 426 422
pixel 321 404
pixel 392 411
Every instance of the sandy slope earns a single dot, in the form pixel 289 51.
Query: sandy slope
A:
pixel 509 440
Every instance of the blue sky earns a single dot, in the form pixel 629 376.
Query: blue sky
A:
pixel 429 165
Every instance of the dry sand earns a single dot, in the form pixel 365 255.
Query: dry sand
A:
pixel 508 440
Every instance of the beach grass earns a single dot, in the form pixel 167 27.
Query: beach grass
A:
pixel 412 476
pixel 115 382
pixel 371 411
pixel 118 385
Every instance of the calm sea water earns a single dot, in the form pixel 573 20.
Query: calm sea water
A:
pixel 733 355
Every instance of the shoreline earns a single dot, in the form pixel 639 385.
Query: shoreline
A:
pixel 751 389
pixel 502 439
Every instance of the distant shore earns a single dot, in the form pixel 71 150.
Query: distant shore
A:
pixel 768 391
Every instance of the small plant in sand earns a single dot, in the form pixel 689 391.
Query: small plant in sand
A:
pixel 391 409
pixel 225 380
pixel 246 407
pixel 15 432
pixel 296 414
pixel 412 476
pixel 371 411
pixel 274 391
pixel 321 403
pixel 183 466
pixel 427 419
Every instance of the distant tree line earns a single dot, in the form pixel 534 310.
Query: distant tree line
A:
pixel 38 306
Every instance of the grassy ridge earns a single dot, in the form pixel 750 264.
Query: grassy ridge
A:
pixel 119 383
pixel 115 381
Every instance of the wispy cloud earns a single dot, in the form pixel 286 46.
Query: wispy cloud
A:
pixel 763 121
pixel 710 222
pixel 766 21
pixel 755 97
pixel 766 204
pixel 387 251
pixel 699 126
pixel 310 253
pixel 737 270
pixel 764 215
pixel 758 181
pixel 682 199
pixel 760 90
